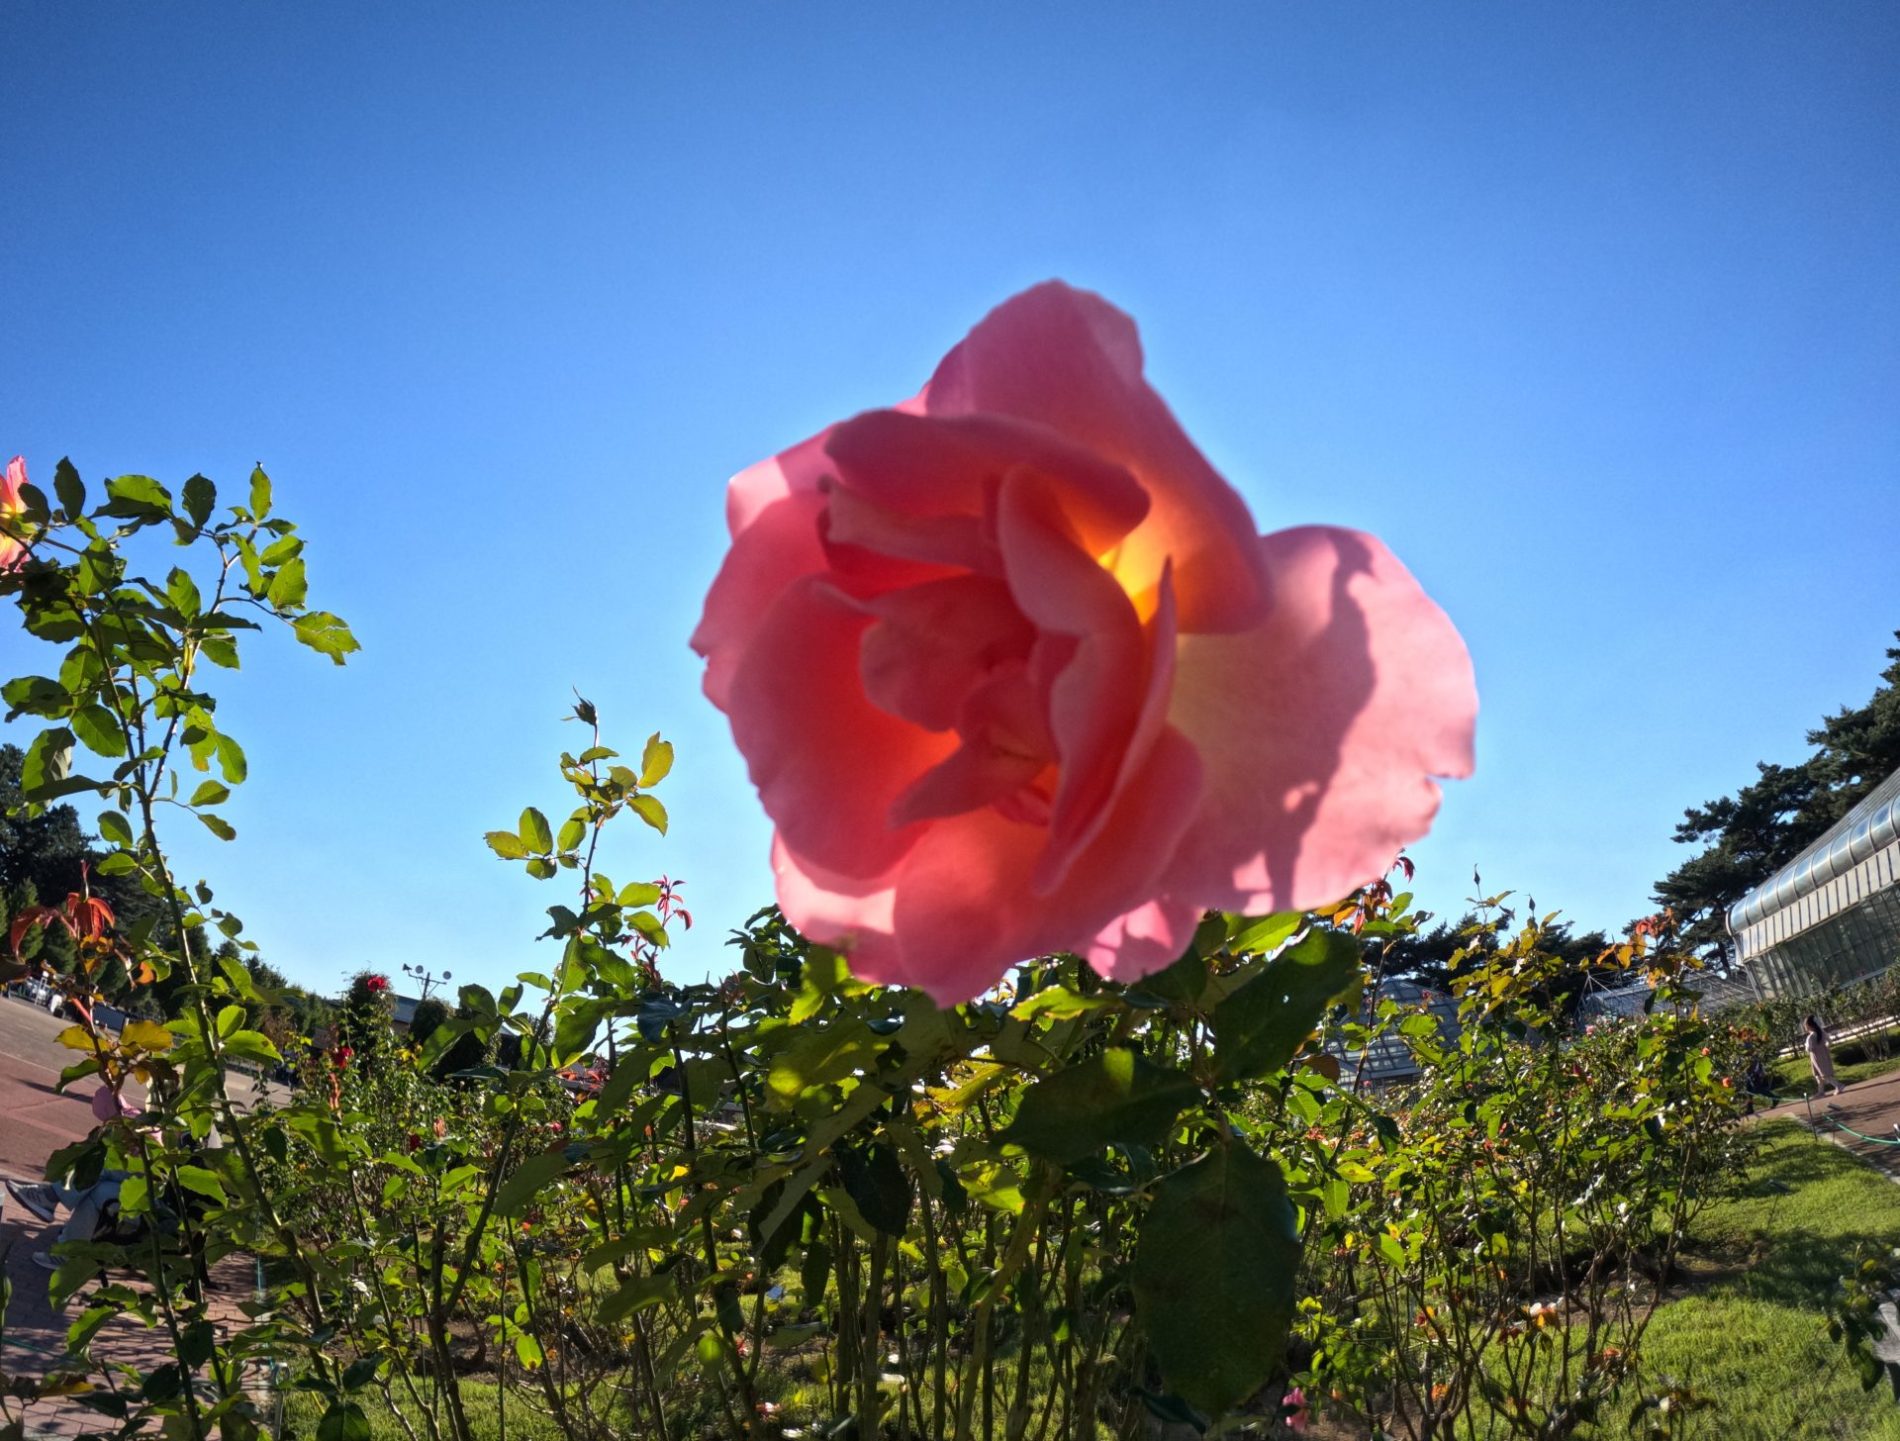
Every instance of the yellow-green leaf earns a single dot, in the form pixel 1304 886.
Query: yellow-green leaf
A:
pixel 146 1035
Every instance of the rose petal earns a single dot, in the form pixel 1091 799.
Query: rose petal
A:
pixel 1320 729
pixel 1096 699
pixel 12 552
pixel 757 488
pixel 847 912
pixel 874 549
pixel 827 762
pixel 918 466
pixel 778 545
pixel 1149 938
pixel 958 910
pixel 931 645
pixel 1006 759
pixel 1071 361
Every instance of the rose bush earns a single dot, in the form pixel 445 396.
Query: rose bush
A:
pixel 1013 672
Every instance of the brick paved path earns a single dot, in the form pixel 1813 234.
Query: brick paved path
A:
pixel 35 1121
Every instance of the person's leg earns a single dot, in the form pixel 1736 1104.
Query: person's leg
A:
pixel 88 1212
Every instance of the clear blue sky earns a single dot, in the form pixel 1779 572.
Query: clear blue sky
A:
pixel 1592 311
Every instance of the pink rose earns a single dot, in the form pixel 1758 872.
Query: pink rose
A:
pixel 1014 674
pixel 1295 1409
pixel 12 552
pixel 108 1104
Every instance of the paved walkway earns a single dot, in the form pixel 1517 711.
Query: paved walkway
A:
pixel 1870 1107
pixel 35 1121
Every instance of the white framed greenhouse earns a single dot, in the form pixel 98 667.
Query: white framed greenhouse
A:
pixel 1832 914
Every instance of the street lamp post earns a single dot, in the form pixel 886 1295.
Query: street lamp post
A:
pixel 425 978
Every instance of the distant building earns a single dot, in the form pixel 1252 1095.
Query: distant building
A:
pixel 1832 914
pixel 1389 1059
pixel 404 1013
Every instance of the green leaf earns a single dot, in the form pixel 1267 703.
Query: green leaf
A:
pixel 1115 1096
pixel 576 1026
pixel 288 588
pixel 220 650
pixel 637 893
pixel 1267 933
pixel 1059 1003
pixel 36 695
pixel 1214 1276
pixel 650 926
pixel 260 507
pixel 81 1332
pixel 70 489
pixel 875 1179
pixel 136 497
pixel 203 1182
pixel 252 1046
pixel 231 760
pixel 284 548
pixel 134 1196
pixel 49 760
pixel 636 1293
pixel 200 497
pixel 534 831
pixel 531 1177
pixel 821 1056
pixel 573 832
pixel 182 591
pixel 1261 1026
pixel 528 1350
pixel 655 761
pixel 506 844
pixel 210 793
pixel 99 730
pixel 115 828
pixel 218 826
pixel 326 634
pixel 649 810
pixel 540 869
pixel 344 1421
pixel 1181 983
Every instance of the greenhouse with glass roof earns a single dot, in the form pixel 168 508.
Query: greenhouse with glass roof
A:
pixel 1832 914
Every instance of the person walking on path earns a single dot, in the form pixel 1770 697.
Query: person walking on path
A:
pixel 1821 1059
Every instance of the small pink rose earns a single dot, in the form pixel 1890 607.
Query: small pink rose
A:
pixel 1014 674
pixel 108 1105
pixel 1295 1410
pixel 12 551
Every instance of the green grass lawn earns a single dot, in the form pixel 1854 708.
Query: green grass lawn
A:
pixel 1755 1336
pixel 303 1410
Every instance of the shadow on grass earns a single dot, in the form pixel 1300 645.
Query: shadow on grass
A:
pixel 1803 1268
